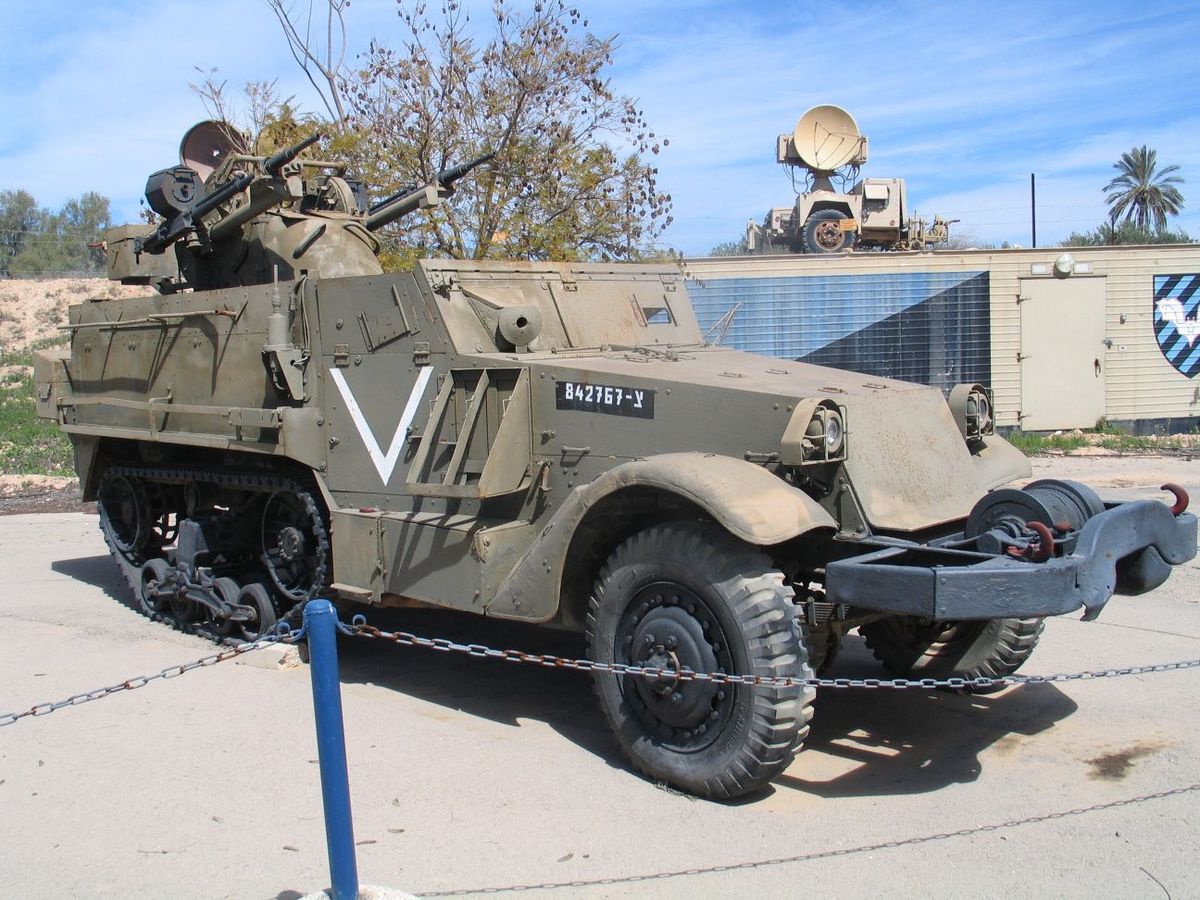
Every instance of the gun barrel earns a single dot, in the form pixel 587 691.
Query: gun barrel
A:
pixel 211 201
pixel 447 177
pixel 386 201
pixel 280 158
pixel 402 205
pixel 413 198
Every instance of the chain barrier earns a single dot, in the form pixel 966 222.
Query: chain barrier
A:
pixel 360 628
pixel 283 635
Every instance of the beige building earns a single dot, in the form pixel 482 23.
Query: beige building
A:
pixel 1064 337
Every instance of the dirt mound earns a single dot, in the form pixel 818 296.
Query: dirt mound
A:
pixel 41 493
pixel 32 310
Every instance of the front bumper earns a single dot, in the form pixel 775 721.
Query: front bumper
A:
pixel 1129 548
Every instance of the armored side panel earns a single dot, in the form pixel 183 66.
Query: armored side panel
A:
pixel 184 369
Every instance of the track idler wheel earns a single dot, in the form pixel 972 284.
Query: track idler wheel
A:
pixel 294 544
pixel 125 516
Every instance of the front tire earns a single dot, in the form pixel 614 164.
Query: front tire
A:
pixel 685 595
pixel 823 234
pixel 990 648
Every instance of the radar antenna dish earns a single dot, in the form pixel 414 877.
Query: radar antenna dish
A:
pixel 206 145
pixel 827 138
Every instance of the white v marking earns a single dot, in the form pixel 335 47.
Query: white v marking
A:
pixel 385 463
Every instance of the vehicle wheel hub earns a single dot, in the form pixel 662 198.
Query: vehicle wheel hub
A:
pixel 668 636
pixel 291 543
pixel 829 235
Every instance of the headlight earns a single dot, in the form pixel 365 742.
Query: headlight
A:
pixel 972 408
pixel 815 434
pixel 825 435
pixel 833 432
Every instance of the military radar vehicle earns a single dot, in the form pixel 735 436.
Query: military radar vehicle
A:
pixel 872 214
pixel 553 443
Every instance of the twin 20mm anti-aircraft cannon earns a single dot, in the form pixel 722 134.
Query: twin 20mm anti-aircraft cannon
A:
pixel 549 442
pixel 232 218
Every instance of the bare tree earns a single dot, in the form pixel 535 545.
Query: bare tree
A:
pixel 319 48
pixel 572 177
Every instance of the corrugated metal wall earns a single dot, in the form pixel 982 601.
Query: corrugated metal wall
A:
pixel 919 316
pixel 931 327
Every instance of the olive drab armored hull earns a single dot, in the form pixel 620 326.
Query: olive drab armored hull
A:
pixel 555 443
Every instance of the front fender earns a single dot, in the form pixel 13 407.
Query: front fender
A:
pixel 746 500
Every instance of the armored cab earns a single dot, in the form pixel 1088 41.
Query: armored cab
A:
pixel 555 443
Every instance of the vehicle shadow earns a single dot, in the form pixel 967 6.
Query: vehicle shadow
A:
pixel 881 742
pixel 911 741
pixel 98 571
pixel 489 689
pixel 898 741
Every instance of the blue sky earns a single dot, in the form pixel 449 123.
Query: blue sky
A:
pixel 962 100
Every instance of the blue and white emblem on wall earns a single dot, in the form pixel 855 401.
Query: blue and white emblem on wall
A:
pixel 1176 323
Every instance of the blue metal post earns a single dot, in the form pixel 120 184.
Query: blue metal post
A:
pixel 320 623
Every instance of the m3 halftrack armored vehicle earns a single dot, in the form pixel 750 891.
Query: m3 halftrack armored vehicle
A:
pixel 553 443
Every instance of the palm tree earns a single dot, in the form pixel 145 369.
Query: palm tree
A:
pixel 1140 193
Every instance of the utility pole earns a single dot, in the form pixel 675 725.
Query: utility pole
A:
pixel 1033 207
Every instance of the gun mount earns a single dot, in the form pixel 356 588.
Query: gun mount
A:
pixel 231 218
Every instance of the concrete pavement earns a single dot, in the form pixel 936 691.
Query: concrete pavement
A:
pixel 472 774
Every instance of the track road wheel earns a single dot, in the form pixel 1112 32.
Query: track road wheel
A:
pixel 156 577
pixel 257 597
pixel 822 233
pixel 686 595
pixel 227 591
pixel 991 648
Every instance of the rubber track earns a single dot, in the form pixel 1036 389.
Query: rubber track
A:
pixel 250 481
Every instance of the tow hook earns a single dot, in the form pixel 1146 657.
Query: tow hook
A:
pixel 1036 551
pixel 1181 498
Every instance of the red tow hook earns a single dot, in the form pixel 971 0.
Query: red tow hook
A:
pixel 1045 547
pixel 1039 552
pixel 1181 498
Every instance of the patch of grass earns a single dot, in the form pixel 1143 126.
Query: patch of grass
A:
pixel 1129 442
pixel 16 357
pixel 29 445
pixel 55 340
pixel 1031 444
pixel 1103 426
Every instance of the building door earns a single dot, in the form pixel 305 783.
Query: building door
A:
pixel 1062 353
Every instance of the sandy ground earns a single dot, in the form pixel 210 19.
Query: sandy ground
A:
pixel 31 310
pixel 468 774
